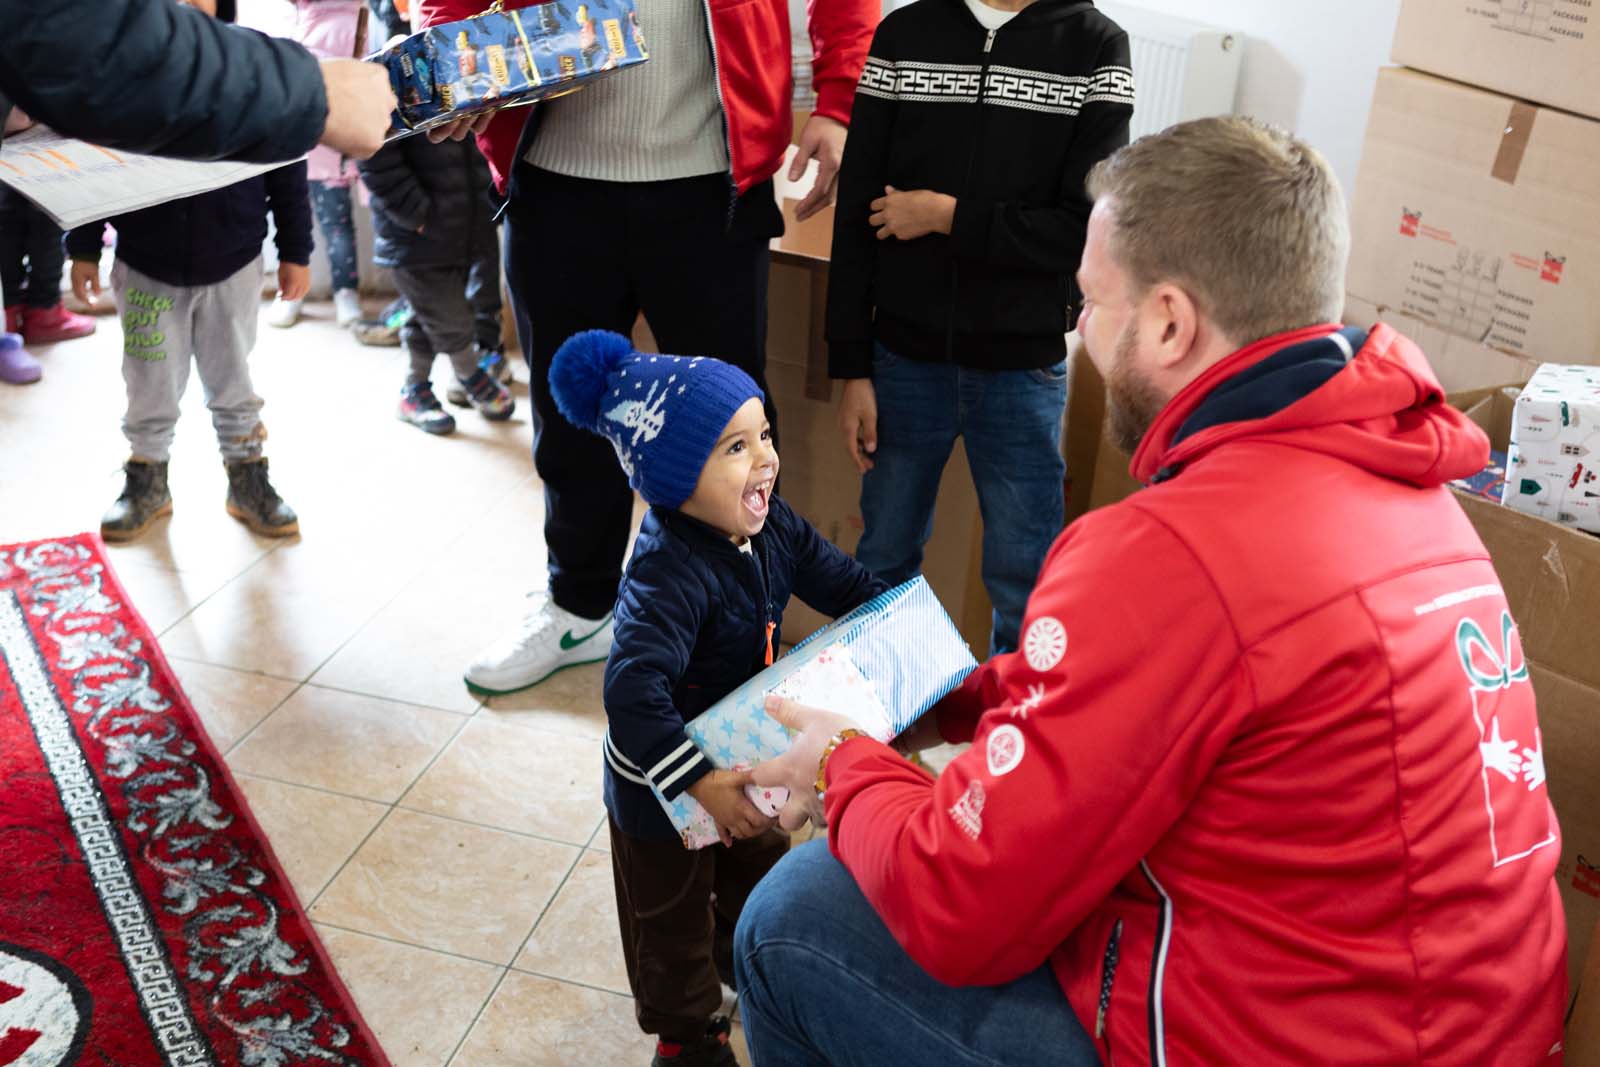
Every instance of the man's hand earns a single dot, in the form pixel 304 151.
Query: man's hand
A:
pixel 294 281
pixel 460 129
pixel 17 120
pixel 796 769
pixel 86 281
pixel 907 216
pixel 722 794
pixel 360 102
pixel 858 421
pixel 822 139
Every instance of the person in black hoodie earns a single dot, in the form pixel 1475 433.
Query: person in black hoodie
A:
pixel 959 226
pixel 435 230
pixel 187 283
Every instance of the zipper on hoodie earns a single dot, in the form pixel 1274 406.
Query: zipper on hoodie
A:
pixel 764 572
pixel 1108 974
pixel 966 191
pixel 722 110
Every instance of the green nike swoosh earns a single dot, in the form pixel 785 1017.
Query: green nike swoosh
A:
pixel 568 642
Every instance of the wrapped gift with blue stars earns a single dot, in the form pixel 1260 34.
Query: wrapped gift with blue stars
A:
pixel 883 665
pixel 505 59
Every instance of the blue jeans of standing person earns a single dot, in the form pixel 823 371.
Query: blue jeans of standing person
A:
pixel 1011 423
pixel 822 982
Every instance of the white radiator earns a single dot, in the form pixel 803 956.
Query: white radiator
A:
pixel 1181 69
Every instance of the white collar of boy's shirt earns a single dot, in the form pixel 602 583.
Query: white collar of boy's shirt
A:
pixel 992 18
pixel 747 547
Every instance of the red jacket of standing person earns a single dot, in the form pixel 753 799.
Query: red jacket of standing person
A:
pixel 1265 782
pixel 755 79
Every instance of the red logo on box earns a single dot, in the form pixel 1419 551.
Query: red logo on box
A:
pixel 1550 271
pixel 1409 221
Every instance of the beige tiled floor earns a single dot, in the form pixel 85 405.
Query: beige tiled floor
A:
pixel 450 853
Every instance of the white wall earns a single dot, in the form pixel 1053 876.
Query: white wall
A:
pixel 1309 65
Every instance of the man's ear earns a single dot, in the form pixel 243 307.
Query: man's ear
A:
pixel 1172 323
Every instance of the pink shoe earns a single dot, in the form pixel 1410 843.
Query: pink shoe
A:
pixel 17 367
pixel 43 326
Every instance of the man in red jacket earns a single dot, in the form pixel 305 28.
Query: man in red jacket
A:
pixel 651 191
pixel 1264 783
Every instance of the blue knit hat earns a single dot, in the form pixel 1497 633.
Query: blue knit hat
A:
pixel 663 414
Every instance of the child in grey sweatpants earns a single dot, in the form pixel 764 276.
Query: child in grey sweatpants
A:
pixel 187 283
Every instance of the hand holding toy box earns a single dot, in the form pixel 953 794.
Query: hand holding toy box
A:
pixel 505 59
pixel 1553 470
pixel 883 665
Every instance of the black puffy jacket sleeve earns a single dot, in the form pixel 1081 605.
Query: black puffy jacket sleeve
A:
pixel 160 78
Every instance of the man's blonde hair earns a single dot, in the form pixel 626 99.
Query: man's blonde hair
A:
pixel 1243 216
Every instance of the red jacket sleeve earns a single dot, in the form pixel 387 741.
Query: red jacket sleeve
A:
pixel 841 31
pixel 1096 737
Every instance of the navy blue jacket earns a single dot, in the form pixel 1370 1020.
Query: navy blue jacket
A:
pixel 691 626
pixel 441 188
pixel 160 78
pixel 205 239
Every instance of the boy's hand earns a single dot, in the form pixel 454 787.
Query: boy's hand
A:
pixel 17 120
pixel 822 139
pixel 911 215
pixel 294 281
pixel 85 281
pixel 722 794
pixel 858 421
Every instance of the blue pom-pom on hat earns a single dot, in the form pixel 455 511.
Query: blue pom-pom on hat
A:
pixel 663 414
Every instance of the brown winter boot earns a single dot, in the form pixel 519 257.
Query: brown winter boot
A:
pixel 253 501
pixel 144 499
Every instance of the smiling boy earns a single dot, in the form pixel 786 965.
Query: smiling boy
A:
pixel 697 614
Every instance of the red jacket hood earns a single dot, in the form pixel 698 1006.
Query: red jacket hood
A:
pixel 1384 411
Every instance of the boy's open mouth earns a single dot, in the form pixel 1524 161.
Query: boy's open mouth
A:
pixel 757 498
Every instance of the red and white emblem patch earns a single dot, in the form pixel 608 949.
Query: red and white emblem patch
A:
pixel 1006 746
pixel 1045 644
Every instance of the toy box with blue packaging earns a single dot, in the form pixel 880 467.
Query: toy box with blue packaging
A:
pixel 509 58
pixel 882 665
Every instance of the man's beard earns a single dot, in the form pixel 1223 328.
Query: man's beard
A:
pixel 1134 400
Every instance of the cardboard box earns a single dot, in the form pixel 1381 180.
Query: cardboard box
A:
pixel 1461 362
pixel 1542 50
pixel 1551 576
pixel 1555 446
pixel 1480 214
pixel 1098 468
pixel 882 666
pixel 1583 1025
pixel 508 59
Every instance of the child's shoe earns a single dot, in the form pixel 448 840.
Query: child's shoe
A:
pixel 710 1050
pixel 493 400
pixel 420 408
pixel 494 364
pixel 283 313
pixel 145 498
pixel 346 307
pixel 253 501
pixel 17 366
pixel 46 326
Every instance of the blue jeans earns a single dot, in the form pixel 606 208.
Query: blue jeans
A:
pixel 1011 421
pixel 822 982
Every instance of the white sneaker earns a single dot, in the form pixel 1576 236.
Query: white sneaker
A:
pixel 548 640
pixel 346 307
pixel 283 313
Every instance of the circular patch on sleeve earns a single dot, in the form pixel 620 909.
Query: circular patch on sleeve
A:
pixel 1045 643
pixel 1006 746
